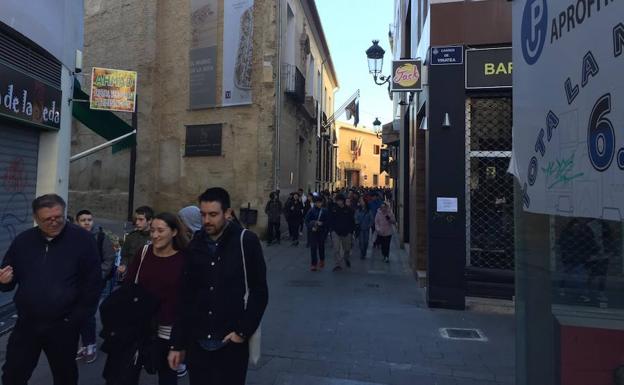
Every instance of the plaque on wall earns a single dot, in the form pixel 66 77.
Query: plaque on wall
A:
pixel 203 140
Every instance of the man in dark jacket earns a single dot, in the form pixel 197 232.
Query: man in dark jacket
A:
pixel 56 269
pixel 214 325
pixel 273 211
pixel 294 217
pixel 342 224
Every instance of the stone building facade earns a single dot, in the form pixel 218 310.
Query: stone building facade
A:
pixel 273 142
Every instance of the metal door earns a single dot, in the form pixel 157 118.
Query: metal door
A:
pixel 19 147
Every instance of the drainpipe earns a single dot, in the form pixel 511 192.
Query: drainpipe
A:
pixel 278 98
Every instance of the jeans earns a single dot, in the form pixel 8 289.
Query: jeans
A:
pixel 87 331
pixel 317 243
pixel 363 238
pixel 226 366
pixel 293 230
pixel 274 232
pixel 119 368
pixel 57 340
pixel 384 241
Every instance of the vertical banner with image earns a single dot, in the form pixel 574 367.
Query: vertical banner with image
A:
pixel 203 54
pixel 237 52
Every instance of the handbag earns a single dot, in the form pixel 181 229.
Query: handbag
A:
pixel 127 316
pixel 255 339
pixel 315 227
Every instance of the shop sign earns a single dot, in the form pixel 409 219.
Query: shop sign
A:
pixel 406 75
pixel 568 112
pixel 203 140
pixel 447 55
pixel 25 98
pixel 488 68
pixel 113 90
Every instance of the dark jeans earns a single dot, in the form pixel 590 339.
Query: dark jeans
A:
pixel 293 229
pixel 274 232
pixel 120 370
pixel 317 244
pixel 226 366
pixel 58 341
pixel 87 332
pixel 384 241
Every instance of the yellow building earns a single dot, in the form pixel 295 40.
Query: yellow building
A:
pixel 358 160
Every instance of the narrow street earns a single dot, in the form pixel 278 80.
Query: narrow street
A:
pixel 366 326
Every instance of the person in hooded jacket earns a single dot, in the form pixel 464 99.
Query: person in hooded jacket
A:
pixel 294 216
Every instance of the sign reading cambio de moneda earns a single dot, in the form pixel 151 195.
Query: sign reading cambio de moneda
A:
pixel 406 75
pixel 113 90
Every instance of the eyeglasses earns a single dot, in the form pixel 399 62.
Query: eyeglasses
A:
pixel 57 219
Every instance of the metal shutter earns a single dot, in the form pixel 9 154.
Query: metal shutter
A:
pixel 19 147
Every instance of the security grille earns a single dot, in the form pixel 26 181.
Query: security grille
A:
pixel 489 188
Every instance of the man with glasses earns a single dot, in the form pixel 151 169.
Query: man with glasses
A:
pixel 56 269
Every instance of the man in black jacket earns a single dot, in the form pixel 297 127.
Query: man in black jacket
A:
pixel 56 269
pixel 342 224
pixel 213 325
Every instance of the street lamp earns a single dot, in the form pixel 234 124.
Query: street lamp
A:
pixel 375 56
pixel 377 128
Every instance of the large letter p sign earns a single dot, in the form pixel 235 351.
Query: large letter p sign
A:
pixel 534 26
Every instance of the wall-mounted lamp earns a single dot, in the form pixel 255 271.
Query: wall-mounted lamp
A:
pixel 446 123
pixel 375 55
pixel 423 124
pixel 377 128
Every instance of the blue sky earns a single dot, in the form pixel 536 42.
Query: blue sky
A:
pixel 349 27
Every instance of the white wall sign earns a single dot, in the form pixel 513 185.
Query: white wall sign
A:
pixel 237 52
pixel 446 205
pixel 568 91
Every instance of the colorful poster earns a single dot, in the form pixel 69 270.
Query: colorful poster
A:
pixel 568 93
pixel 203 54
pixel 113 90
pixel 237 52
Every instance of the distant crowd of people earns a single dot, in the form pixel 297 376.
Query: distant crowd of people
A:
pixel 345 216
pixel 185 289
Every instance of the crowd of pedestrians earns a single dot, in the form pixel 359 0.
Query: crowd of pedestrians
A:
pixel 180 290
pixel 345 217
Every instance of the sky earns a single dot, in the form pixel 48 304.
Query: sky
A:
pixel 350 26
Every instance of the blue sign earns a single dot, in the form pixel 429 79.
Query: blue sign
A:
pixel 534 29
pixel 447 55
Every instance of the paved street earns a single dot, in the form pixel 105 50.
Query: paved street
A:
pixel 366 326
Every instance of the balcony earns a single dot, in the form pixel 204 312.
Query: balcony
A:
pixel 309 106
pixel 294 83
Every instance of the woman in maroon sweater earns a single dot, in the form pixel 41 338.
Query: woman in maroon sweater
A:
pixel 160 274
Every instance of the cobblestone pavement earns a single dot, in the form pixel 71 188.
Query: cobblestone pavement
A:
pixel 367 325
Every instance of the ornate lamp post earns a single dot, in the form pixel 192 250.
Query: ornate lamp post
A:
pixel 375 56
pixel 377 128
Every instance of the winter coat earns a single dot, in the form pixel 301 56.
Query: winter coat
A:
pixel 106 252
pixel 57 279
pixel 273 210
pixel 341 220
pixel 315 214
pixel 294 211
pixel 132 244
pixel 383 225
pixel 364 219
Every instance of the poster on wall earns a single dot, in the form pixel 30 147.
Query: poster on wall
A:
pixel 203 54
pixel 237 52
pixel 568 92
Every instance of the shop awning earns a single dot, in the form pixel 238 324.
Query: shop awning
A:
pixel 104 123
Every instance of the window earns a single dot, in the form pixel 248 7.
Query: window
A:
pixel 376 149
pixel 387 180
pixel 375 180
pixel 353 145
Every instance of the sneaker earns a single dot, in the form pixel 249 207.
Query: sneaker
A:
pixel 347 262
pixel 313 268
pixel 321 264
pixel 182 370
pixel 337 268
pixel 81 353
pixel 90 354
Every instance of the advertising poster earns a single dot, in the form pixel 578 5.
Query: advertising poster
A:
pixel 113 90
pixel 568 93
pixel 237 52
pixel 406 75
pixel 203 54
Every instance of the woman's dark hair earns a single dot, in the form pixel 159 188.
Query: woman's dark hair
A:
pixel 180 241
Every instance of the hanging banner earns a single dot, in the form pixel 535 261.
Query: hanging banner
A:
pixel 406 75
pixel 203 54
pixel 568 93
pixel 237 52
pixel 113 90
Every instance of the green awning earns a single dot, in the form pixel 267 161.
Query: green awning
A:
pixel 104 123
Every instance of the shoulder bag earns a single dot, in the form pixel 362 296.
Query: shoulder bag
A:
pixel 255 339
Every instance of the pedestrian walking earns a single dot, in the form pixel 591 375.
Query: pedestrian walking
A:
pixel 87 350
pixel 294 216
pixel 384 226
pixel 57 271
pixel 316 221
pixel 342 225
pixel 224 295
pixel 158 269
pixel 373 204
pixel 273 211
pixel 363 223
pixel 138 238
